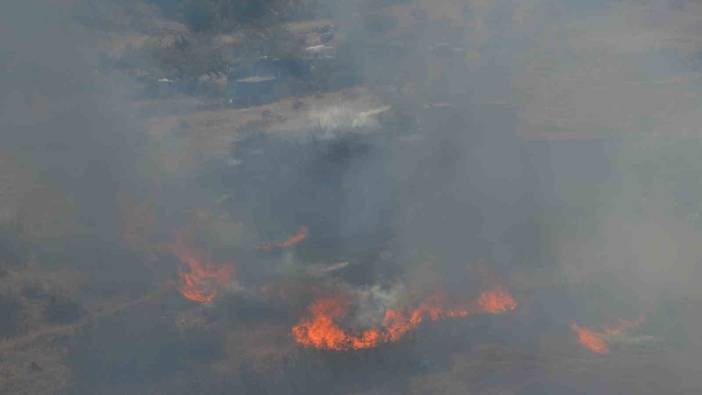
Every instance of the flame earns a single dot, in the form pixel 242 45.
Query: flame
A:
pixel 496 301
pixel 590 339
pixel 596 341
pixel 200 278
pixel 294 239
pixel 320 330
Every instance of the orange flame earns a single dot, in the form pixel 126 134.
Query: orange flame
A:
pixel 496 301
pixel 596 341
pixel 321 331
pixel 294 239
pixel 200 278
pixel 590 339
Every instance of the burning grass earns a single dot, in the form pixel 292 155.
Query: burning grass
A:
pixel 598 341
pixel 321 330
pixel 296 238
pixel 201 279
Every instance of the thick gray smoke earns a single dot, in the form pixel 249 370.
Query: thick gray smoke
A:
pixel 555 109
pixel 558 150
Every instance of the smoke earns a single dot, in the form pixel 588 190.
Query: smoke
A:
pixel 65 121
pixel 557 147
pixel 563 118
pixel 374 301
pixel 546 146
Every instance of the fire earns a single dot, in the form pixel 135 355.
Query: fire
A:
pixel 294 239
pixel 590 339
pixel 200 278
pixel 321 330
pixel 597 341
pixel 499 300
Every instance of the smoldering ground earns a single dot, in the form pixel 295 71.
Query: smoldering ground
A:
pixel 549 147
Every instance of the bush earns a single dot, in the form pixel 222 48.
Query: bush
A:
pixel 227 15
pixel 62 310
pixel 13 248
pixel 10 311
pixel 200 15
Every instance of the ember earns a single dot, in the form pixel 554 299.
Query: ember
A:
pixel 200 278
pixel 321 330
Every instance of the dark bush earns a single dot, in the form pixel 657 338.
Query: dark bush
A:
pixel 200 15
pixel 10 311
pixel 62 310
pixel 13 248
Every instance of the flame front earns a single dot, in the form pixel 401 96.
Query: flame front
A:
pixel 299 236
pixel 320 330
pixel 200 279
pixel 596 341
pixel 496 301
pixel 590 339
